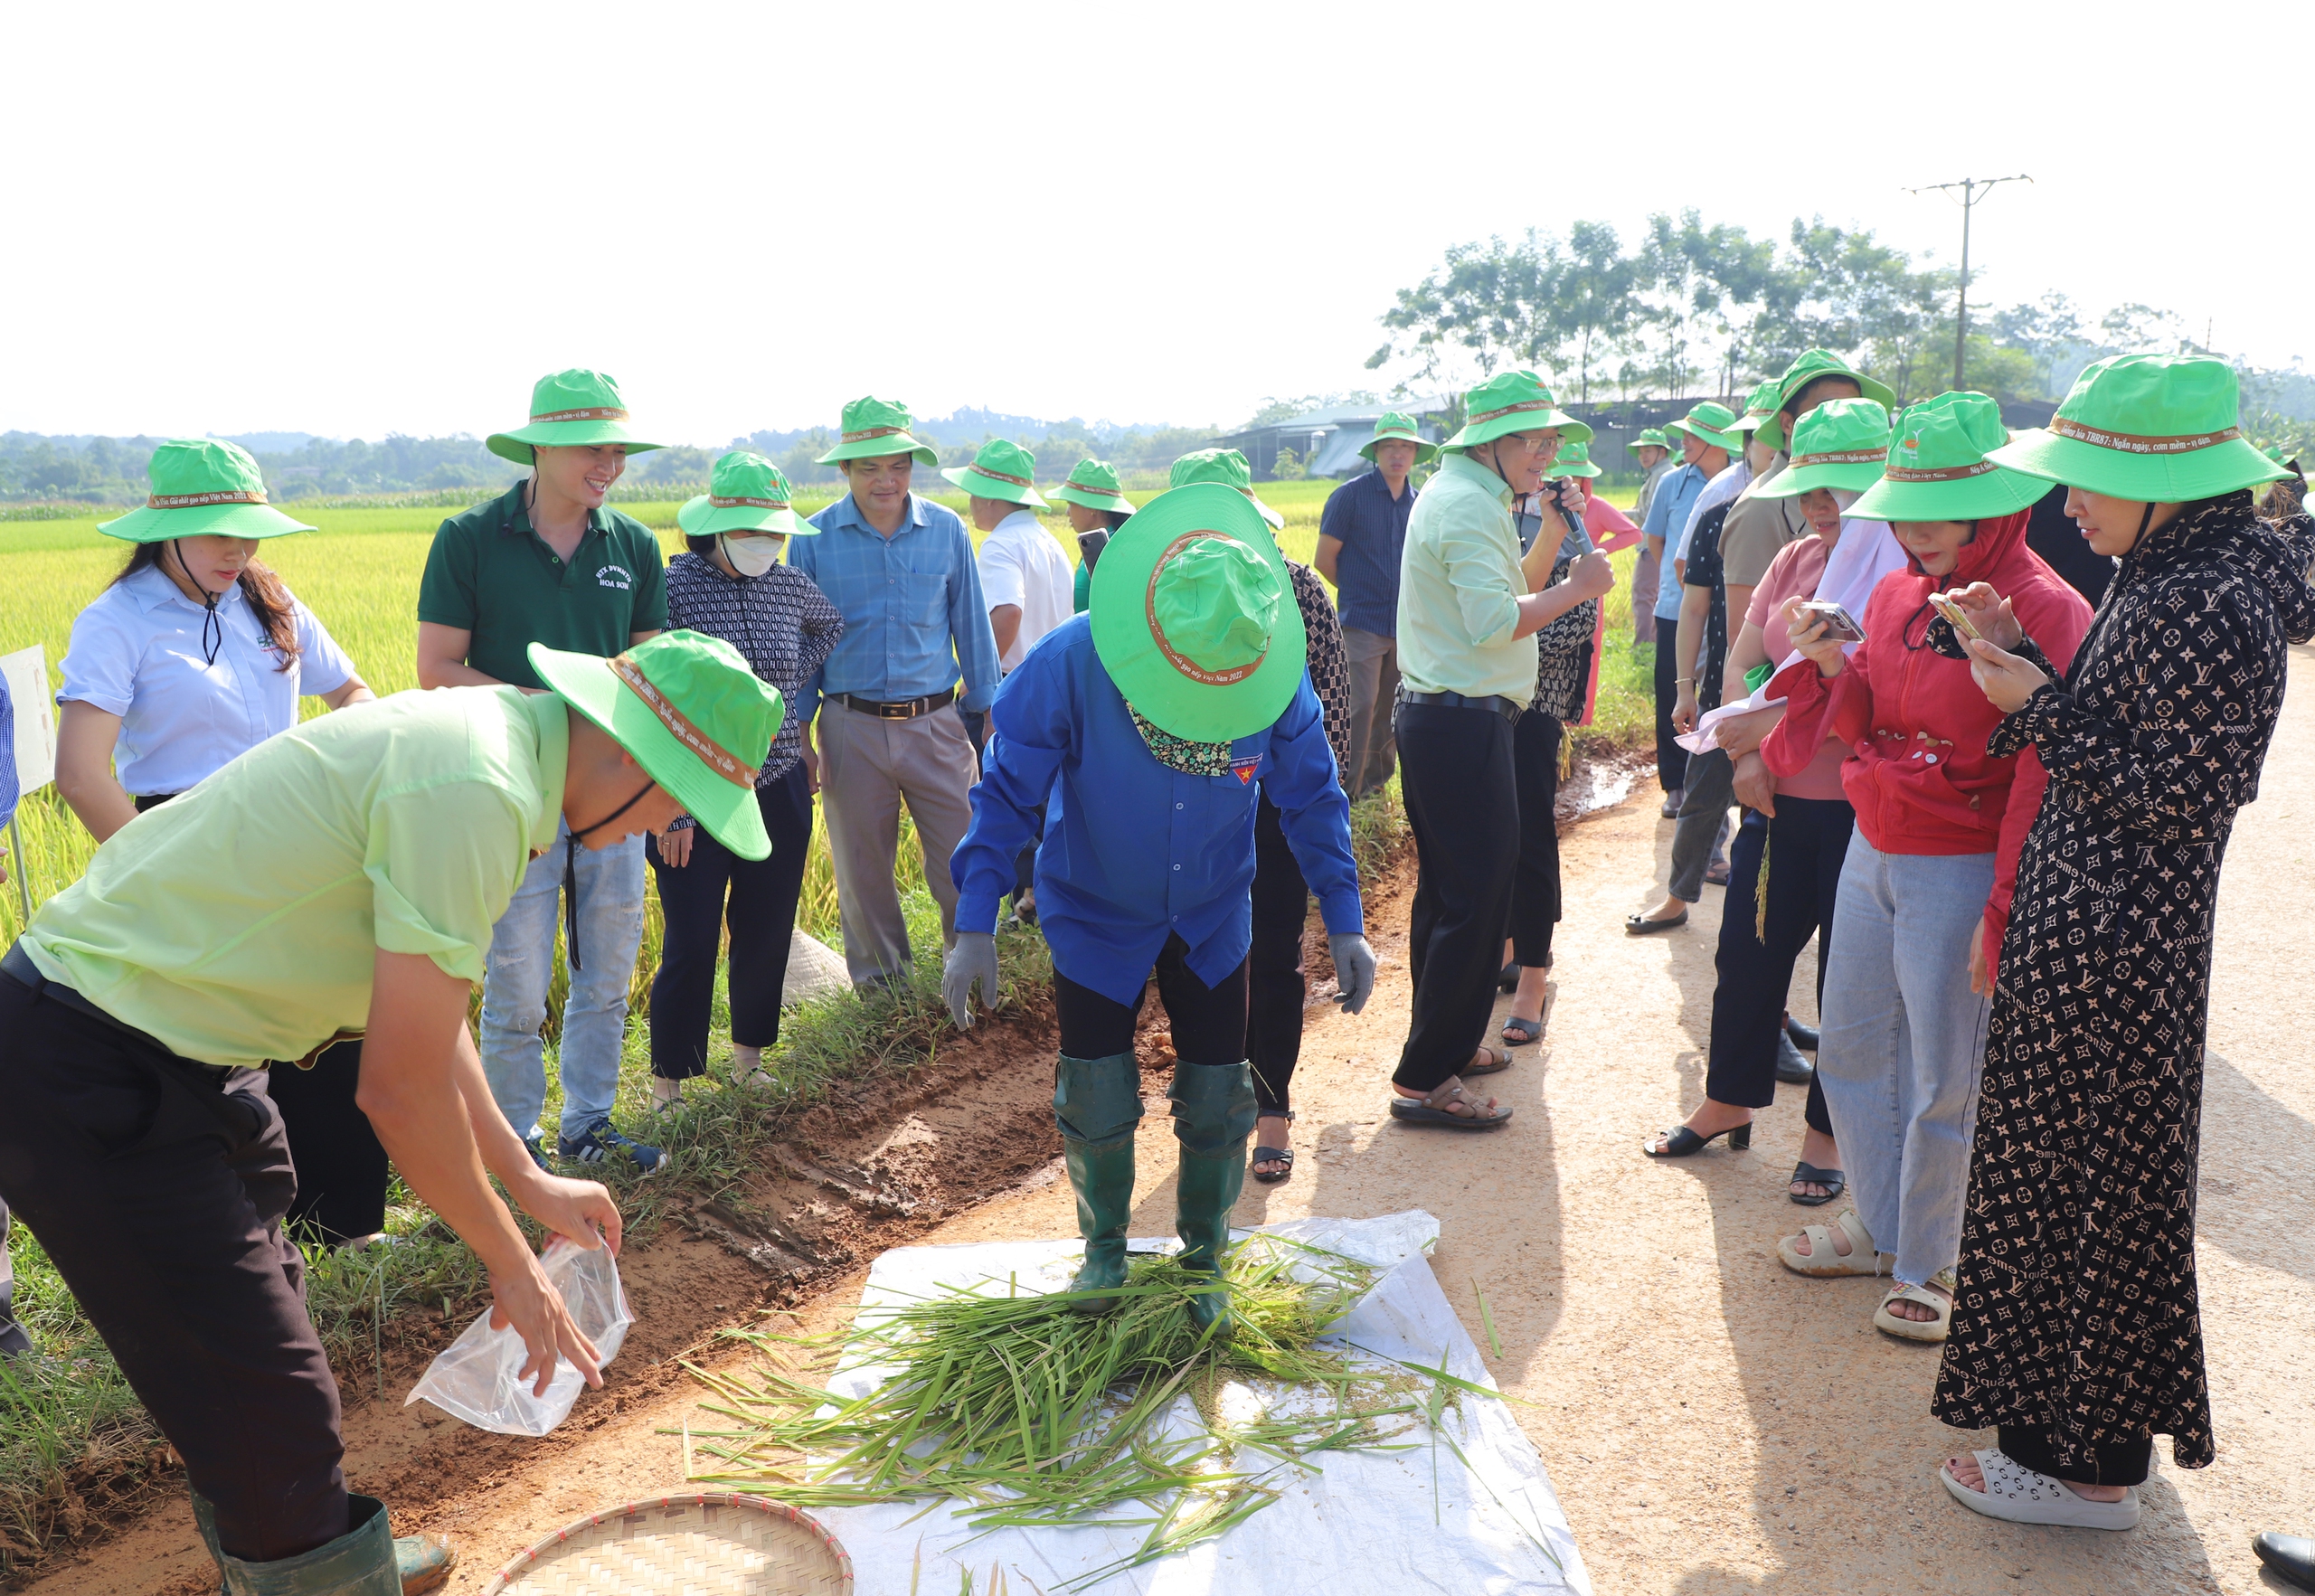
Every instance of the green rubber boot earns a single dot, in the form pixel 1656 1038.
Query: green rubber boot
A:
pixel 360 1563
pixel 1214 1116
pixel 1097 1104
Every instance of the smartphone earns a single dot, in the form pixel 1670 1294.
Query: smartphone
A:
pixel 1955 614
pixel 1843 625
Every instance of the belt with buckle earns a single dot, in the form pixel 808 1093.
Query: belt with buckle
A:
pixel 907 709
pixel 17 964
pixel 1509 709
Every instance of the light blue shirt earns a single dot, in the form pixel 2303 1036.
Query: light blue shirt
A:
pixel 913 617
pixel 1668 518
pixel 137 652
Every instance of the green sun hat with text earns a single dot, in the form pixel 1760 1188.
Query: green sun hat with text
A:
pixel 1512 401
pixel 2159 429
pixel 1652 438
pixel 1399 424
pixel 1759 416
pixel 201 487
pixel 1094 485
pixel 570 408
pixel 1709 422
pixel 1194 617
pixel 874 427
pixel 696 718
pixel 1001 470
pixel 1823 363
pixel 1574 460
pixel 1226 467
pixel 1842 443
pixel 746 492
pixel 1938 470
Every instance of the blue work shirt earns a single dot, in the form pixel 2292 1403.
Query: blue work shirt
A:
pixel 1372 527
pixel 1668 518
pixel 914 620
pixel 1134 851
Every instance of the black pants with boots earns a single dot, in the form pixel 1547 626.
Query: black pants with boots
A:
pixel 1275 987
pixel 1209 1023
pixel 158 1186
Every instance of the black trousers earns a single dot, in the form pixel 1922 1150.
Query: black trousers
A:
pixel 1671 759
pixel 2125 1463
pixel 1457 776
pixel 1275 989
pixel 1805 844
pixel 1209 1023
pixel 341 1166
pixel 757 899
pixel 1535 888
pixel 157 1186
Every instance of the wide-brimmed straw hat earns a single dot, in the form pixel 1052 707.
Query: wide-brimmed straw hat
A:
pixel 746 492
pixel 569 408
pixel 872 428
pixel 1512 401
pixel 1842 443
pixel 1938 470
pixel 1226 467
pixel 1709 422
pixel 1094 485
pixel 201 487
pixel 1574 460
pixel 1823 363
pixel 1001 470
pixel 2156 428
pixel 693 714
pixel 1400 425
pixel 1194 617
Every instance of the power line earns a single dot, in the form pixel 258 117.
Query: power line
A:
pixel 1973 191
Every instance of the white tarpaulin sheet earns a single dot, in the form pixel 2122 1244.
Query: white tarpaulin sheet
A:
pixel 1365 1524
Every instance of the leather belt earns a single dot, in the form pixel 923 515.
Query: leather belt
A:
pixel 18 965
pixel 906 710
pixel 1509 709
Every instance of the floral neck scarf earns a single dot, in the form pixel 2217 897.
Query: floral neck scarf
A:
pixel 1179 754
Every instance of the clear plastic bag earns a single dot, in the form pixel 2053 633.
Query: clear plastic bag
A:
pixel 478 1377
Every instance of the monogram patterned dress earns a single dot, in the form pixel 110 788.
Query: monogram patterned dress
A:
pixel 2078 1311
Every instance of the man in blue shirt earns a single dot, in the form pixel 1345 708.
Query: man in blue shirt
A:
pixel 1362 534
pixel 1705 448
pixel 1157 722
pixel 901 571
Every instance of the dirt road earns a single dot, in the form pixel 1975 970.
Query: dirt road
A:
pixel 1712 1424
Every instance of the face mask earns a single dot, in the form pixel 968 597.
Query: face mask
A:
pixel 751 556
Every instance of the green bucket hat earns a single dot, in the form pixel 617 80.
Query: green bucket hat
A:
pixel 1842 443
pixel 1574 460
pixel 1226 467
pixel 1824 362
pixel 1399 424
pixel 1759 416
pixel 1001 470
pixel 693 714
pixel 872 428
pixel 1194 618
pixel 746 492
pixel 1710 421
pixel 1094 485
pixel 573 407
pixel 1651 437
pixel 1512 401
pixel 2159 429
pixel 201 487
pixel 1938 470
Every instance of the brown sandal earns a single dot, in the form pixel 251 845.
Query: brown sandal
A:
pixel 1484 1113
pixel 1497 1061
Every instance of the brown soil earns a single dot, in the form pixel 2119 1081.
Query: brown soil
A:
pixel 1712 1424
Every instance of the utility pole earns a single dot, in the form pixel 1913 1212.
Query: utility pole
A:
pixel 1973 190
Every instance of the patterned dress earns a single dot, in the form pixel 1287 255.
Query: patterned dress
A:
pixel 2077 1312
pixel 1329 662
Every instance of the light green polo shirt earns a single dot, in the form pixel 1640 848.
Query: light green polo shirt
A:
pixel 238 923
pixel 1460 586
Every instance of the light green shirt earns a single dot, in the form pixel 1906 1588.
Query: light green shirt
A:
pixel 238 923
pixel 1460 586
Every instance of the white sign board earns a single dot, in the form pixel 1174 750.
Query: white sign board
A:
pixel 26 672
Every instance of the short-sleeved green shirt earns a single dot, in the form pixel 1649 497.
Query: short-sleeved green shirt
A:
pixel 488 573
pixel 238 923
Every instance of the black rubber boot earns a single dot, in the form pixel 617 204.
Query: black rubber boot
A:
pixel 359 1562
pixel 1097 1104
pixel 1214 1116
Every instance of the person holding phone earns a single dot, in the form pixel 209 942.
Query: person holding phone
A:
pixel 1925 886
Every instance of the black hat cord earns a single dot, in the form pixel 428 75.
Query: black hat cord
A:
pixel 212 625
pixel 571 874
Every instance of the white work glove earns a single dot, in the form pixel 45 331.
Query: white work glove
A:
pixel 974 958
pixel 1353 969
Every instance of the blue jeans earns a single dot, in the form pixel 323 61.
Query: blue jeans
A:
pixel 1904 1044
pixel 594 1015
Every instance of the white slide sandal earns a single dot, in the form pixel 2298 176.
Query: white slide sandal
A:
pixel 1821 1262
pixel 2015 1493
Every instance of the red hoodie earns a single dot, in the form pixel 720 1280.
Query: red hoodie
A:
pixel 1916 724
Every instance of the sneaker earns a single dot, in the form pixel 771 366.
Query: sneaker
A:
pixel 530 1145
pixel 598 1143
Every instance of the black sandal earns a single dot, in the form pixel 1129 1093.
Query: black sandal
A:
pixel 1519 1033
pixel 1681 1142
pixel 1834 1182
pixel 1507 979
pixel 1274 1155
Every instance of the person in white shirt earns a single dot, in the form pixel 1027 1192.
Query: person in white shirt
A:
pixel 1024 575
